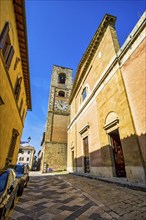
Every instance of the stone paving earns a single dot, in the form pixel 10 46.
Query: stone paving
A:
pixel 71 197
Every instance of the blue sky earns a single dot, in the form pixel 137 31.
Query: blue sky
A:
pixel 59 33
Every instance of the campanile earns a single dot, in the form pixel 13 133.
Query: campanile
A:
pixel 55 144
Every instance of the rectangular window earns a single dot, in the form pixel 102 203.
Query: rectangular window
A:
pixel 17 88
pixel 27 158
pixel 22 158
pixel 5 45
pixel 19 158
pixel 23 114
pixel 29 152
pixel 84 93
pixel 20 150
pixel 12 145
pixel 20 108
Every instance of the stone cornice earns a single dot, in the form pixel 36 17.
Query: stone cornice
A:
pixel 85 128
pixel 55 142
pixel 61 67
pixel 91 49
pixel 141 24
pixel 59 113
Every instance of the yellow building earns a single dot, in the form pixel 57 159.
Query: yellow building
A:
pixel 107 133
pixel 15 97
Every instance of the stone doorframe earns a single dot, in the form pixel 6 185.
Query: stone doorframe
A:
pixel 111 125
pixel 84 132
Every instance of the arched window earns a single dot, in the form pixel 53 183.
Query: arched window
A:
pixel 61 93
pixel 84 93
pixel 61 78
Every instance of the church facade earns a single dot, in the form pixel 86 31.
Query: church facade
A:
pixel 54 143
pixel 107 133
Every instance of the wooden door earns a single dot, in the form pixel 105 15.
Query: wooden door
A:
pixel 118 154
pixel 86 155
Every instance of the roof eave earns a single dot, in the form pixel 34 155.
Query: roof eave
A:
pixel 20 16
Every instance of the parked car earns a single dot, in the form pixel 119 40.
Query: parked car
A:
pixel 8 191
pixel 22 173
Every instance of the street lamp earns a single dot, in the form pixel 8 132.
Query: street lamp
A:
pixel 29 139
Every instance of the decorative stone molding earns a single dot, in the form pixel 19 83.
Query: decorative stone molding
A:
pixel 111 123
pixel 84 129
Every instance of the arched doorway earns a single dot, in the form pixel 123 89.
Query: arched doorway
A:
pixel 111 127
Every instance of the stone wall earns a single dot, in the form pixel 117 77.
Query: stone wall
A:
pixel 55 156
pixel 55 145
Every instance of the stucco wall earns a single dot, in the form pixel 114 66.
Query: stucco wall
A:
pixel 10 116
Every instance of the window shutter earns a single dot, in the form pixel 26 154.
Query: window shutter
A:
pixel 3 35
pixel 12 144
pixel 10 56
pixel 21 105
pixel 23 114
pixel 6 52
pixel 17 88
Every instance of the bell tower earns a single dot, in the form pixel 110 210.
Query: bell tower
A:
pixel 55 144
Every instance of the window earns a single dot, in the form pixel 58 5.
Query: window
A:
pixel 23 114
pixel 22 158
pixel 61 78
pixel 17 88
pixel 19 158
pixel 29 152
pixel 20 150
pixel 12 145
pixel 20 108
pixel 27 159
pixel 84 93
pixel 61 93
pixel 5 45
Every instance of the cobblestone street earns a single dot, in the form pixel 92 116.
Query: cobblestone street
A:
pixel 73 197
